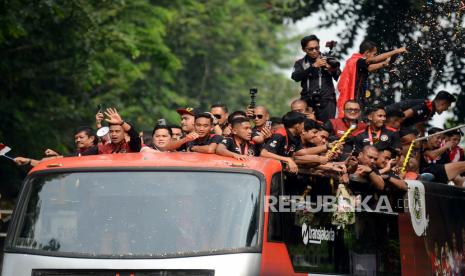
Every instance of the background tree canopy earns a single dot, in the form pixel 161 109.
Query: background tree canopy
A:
pixel 59 59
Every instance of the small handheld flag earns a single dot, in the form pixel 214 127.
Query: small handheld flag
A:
pixel 4 149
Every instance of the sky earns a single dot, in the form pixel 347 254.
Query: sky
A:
pixel 308 25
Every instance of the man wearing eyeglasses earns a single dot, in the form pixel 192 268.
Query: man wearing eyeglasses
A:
pixel 337 127
pixel 316 79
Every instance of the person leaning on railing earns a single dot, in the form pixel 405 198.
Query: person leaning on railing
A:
pixel 386 164
pixel 85 141
pixel 286 145
pixel 366 177
pixel 435 159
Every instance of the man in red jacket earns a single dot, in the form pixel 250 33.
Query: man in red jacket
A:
pixel 118 129
pixel 337 127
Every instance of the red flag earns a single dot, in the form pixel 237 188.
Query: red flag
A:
pixel 346 84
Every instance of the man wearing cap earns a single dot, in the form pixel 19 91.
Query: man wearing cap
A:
pixel 420 110
pixel 187 126
pixel 187 118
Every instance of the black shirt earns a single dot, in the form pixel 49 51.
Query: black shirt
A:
pixel 205 141
pixel 383 139
pixel 423 110
pixel 90 151
pixel 243 149
pixel 255 132
pixel 283 144
pixel 182 148
pixel 363 187
pixel 426 162
pixel 309 76
pixel 361 82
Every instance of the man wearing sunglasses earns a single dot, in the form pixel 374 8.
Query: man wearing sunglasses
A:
pixel 260 133
pixel 220 112
pixel 316 79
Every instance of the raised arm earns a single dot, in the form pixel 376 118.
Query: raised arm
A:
pixel 115 118
pixel 382 57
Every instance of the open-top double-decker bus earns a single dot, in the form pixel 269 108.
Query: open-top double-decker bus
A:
pixel 196 214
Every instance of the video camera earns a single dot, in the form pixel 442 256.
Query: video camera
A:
pixel 253 92
pixel 313 98
pixel 329 56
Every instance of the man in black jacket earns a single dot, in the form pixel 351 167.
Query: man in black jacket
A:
pixel 316 79
pixel 419 111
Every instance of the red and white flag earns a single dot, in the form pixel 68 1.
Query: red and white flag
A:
pixel 4 149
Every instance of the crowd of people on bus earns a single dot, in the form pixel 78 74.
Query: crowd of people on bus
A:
pixel 366 143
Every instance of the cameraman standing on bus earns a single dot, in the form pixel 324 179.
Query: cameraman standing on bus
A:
pixel 316 74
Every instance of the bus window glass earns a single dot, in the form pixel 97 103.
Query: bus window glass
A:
pixel 140 213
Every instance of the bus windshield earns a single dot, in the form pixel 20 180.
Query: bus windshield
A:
pixel 144 213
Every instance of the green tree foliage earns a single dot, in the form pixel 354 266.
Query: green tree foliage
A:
pixel 226 47
pixel 60 59
pixel 432 31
